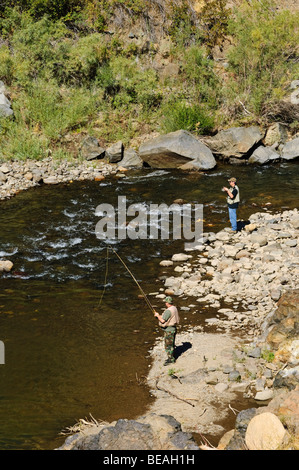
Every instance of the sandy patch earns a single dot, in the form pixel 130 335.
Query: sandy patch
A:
pixel 195 390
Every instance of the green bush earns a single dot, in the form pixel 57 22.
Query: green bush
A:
pixel 55 9
pixel 214 22
pixel 20 142
pixel 54 111
pixel 179 115
pixel 199 74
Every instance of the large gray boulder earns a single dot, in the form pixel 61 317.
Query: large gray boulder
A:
pixel 263 155
pixel 290 150
pixel 235 142
pixel 176 149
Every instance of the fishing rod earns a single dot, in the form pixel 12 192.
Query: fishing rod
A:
pixel 140 288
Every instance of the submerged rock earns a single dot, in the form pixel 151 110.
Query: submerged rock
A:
pixel 5 266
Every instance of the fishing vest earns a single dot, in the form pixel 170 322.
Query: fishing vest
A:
pixel 236 199
pixel 173 320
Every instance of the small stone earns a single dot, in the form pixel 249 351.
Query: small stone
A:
pixel 180 257
pixel 221 387
pixel 256 353
pixel 51 180
pixel 234 376
pixel 166 263
pixel 264 395
pixel 5 266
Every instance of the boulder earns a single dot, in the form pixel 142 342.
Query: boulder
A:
pixel 276 134
pixel 176 149
pixel 131 159
pixel 258 238
pixel 5 105
pixel 91 150
pixel 151 432
pixel 263 155
pixel 115 153
pixel 287 378
pixel 235 142
pixel 265 432
pixel 290 150
pixel 284 323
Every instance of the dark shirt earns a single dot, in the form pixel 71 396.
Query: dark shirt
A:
pixel 233 205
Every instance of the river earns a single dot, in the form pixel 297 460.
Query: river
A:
pixel 76 337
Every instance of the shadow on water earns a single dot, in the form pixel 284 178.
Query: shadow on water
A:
pixel 68 355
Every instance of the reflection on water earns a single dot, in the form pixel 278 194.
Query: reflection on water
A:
pixel 67 353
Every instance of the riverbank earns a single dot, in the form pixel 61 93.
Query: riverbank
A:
pixel 234 384
pixel 18 176
pixel 237 358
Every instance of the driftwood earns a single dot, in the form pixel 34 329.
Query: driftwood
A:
pixel 172 394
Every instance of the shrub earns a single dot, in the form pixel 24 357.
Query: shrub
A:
pixel 179 115
pixel 183 30
pixel 199 73
pixel 54 111
pixel 214 22
pixel 55 9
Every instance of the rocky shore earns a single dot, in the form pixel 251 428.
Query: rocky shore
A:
pixel 16 176
pixel 241 276
pixel 180 149
pixel 236 380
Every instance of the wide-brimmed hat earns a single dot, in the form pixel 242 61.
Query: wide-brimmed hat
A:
pixel 233 180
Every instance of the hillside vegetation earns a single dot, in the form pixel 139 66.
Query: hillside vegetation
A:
pixel 121 69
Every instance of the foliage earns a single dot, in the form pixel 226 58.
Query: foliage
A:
pixel 268 356
pixel 264 58
pixel 66 74
pixel 183 29
pixel 200 74
pixel 214 20
pixel 180 115
pixel 55 9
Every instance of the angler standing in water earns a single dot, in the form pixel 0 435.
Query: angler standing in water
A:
pixel 168 321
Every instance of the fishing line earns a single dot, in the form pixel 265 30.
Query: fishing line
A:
pixel 106 276
pixel 131 274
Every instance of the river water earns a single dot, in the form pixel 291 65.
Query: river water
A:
pixel 77 337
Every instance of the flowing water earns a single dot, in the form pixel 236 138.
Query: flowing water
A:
pixel 76 337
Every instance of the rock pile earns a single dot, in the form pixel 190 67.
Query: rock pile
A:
pixel 241 275
pixel 256 272
pixel 150 432
pixel 16 176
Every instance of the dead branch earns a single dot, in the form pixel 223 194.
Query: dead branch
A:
pixel 172 394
